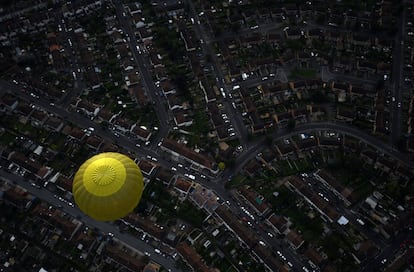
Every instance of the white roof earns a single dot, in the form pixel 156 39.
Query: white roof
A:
pixel 343 220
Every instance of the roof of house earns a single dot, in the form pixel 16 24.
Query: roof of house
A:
pixel 192 257
pixel 278 221
pixel 295 238
pixel 151 267
pixel 188 153
pixel 252 167
pixel 64 183
pixel 17 196
pixel 8 99
pixel 182 184
pixel 165 175
pixel 115 252
pixel 94 141
pixel 25 162
pixel 242 231
pixel 146 166
pixel 254 198
pixel 146 225
pixel 313 255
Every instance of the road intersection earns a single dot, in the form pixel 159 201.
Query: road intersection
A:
pixel 250 148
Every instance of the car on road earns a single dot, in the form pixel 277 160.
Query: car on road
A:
pixel 34 95
pixel 362 223
pixel 190 176
pixel 157 251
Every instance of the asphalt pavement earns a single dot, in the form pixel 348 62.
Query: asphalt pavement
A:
pixel 397 79
pixel 234 116
pixel 104 227
pixel 251 149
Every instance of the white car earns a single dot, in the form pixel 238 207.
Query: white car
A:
pixel 191 176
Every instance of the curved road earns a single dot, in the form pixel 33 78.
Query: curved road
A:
pixel 406 159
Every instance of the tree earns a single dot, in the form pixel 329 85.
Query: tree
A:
pixel 268 140
pixel 235 27
pixel 318 97
pixel 221 166
pixel 291 124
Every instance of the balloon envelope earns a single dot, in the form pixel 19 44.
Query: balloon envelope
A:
pixel 108 186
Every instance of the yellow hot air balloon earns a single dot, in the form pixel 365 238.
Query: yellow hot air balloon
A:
pixel 108 186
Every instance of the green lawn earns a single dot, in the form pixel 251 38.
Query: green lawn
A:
pixel 302 74
pixel 237 181
pixel 224 265
pixel 7 138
